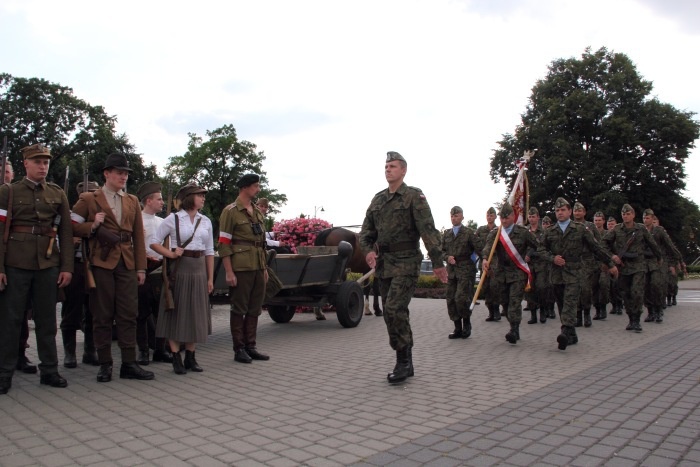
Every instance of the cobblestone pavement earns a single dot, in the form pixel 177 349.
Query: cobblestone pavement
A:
pixel 616 398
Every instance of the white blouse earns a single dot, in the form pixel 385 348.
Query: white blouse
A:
pixel 203 238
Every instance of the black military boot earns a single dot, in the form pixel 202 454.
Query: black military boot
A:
pixel 69 359
pixel 659 315
pixel 191 363
pixel 89 352
pixel 603 312
pixel 636 326
pixel 410 361
pixel 491 314
pixel 543 315
pixel 630 325
pixel 24 365
pixel 551 314
pixel 143 357
pixel 533 316
pixel 673 300
pixel 579 318
pixel 668 300
pixel 596 317
pixel 571 334
pixel 467 328
pixel 457 333
pixel 402 368
pixel 587 318
pixel 514 333
pixel 132 370
pixel 651 315
pixel 563 338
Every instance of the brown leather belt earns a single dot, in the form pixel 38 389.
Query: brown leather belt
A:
pixel 33 229
pixel 398 246
pixel 193 253
pixel 124 237
pixel 247 243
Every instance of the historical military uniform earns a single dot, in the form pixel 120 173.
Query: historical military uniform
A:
pixel 117 253
pixel 482 233
pixel 393 226
pixel 32 217
pixel 242 239
pixel 567 240
pixel 629 245
pixel 510 279
pixel 656 280
pixel 460 243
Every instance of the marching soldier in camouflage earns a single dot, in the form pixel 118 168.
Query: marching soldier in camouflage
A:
pixel 397 218
pixel 615 293
pixel 539 267
pixel 459 244
pixel 549 295
pixel 486 290
pixel 675 264
pixel 563 245
pixel 656 281
pixel 627 242
pixel 509 279
pixel 590 270
pixel 33 214
pixel 601 286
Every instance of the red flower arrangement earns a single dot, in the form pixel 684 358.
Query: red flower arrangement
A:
pixel 301 231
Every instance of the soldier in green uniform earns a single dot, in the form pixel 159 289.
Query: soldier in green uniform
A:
pixel 486 291
pixel 459 244
pixel 513 274
pixel 627 242
pixel 242 251
pixel 397 218
pixel 549 295
pixel 33 212
pixel 539 267
pixel 601 285
pixel 615 294
pixel 590 270
pixel 675 264
pixel 656 283
pixel 563 246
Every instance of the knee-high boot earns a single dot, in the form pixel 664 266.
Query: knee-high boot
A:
pixel 251 332
pixel 238 337
pixel 69 359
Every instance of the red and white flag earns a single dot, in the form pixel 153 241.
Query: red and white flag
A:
pixel 518 195
pixel 512 252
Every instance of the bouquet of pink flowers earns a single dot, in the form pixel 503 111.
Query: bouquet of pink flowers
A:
pixel 301 231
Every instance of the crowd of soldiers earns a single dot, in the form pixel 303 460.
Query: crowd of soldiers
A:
pixel 574 263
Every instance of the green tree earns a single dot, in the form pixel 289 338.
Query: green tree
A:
pixel 216 163
pixel 34 110
pixel 602 140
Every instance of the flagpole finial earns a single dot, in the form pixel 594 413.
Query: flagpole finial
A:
pixel 527 155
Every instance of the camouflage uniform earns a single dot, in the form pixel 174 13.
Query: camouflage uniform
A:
pixel 656 283
pixel 629 244
pixel 541 294
pixel 615 295
pixel 482 233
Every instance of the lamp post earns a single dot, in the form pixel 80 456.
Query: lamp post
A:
pixel 316 209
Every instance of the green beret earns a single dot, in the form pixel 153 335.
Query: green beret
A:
pixel 533 211
pixel 394 156
pixel 247 180
pixel 148 188
pixel 648 212
pixel 506 210
pixel 560 203
pixel 491 210
pixel 578 206
pixel 456 210
pixel 626 208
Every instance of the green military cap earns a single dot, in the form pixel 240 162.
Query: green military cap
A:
pixel 34 151
pixel 626 208
pixel 648 212
pixel 546 220
pixel 91 186
pixel 491 210
pixel 456 210
pixel 189 189
pixel 578 206
pixel 506 210
pixel 560 203
pixel 533 211
pixel 247 180
pixel 599 214
pixel 148 188
pixel 612 219
pixel 394 156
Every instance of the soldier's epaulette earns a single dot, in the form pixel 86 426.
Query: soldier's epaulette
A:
pixel 229 207
pixel 54 185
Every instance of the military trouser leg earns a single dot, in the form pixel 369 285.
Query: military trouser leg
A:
pixel 567 299
pixel 246 300
pixel 396 295
pixel 632 289
pixel 452 299
pixel 515 292
pixel 654 291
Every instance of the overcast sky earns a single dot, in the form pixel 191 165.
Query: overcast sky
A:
pixel 326 88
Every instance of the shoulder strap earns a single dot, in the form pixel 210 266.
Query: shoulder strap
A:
pixel 177 232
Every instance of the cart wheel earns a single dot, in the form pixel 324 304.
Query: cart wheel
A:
pixel 349 303
pixel 281 313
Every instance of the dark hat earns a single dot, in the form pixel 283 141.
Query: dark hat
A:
pixel 599 214
pixel 560 203
pixel 117 161
pixel 456 210
pixel 394 156
pixel 247 180
pixel 148 188
pixel 34 151
pixel 189 189
pixel 546 220
pixel 506 210
pixel 578 206
pixel 533 211
pixel 491 210
pixel 626 208
pixel 648 212
pixel 612 219
pixel 92 186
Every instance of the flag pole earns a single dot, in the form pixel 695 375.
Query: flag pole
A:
pixel 485 273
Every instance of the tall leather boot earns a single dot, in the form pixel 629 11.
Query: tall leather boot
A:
pixel 533 316
pixel 587 318
pixel 457 333
pixel 250 327
pixel 659 314
pixel 89 352
pixel 543 314
pixel 514 333
pixel 402 368
pixel 467 328
pixel 69 359
pixel 579 318
pixel 238 337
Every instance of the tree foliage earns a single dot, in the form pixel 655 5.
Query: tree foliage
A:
pixel 34 110
pixel 602 140
pixel 216 163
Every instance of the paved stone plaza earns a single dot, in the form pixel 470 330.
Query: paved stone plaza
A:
pixel 616 398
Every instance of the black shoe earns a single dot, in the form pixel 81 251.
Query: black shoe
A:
pixel 668 300
pixel 673 301
pixel 5 384
pixel 402 368
pixel 533 317
pixel 551 314
pixel 162 356
pixel 178 366
pixel 587 318
pixel 563 339
pixel 573 338
pixel 543 315
pixel 132 370
pixel 255 355
pixel 466 332
pixel 25 366
pixel 90 358
pixel 457 333
pixel 579 319
pixel 636 326
pixel 69 360
pixel 603 313
pixel 144 357
pixel 513 334
pixel 630 325
pixel 54 380
pixel 650 317
pixel 596 317
pixel 191 363
pixel 104 375
pixel 242 356
pixel 378 313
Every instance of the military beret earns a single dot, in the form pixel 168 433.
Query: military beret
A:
pixel 247 180
pixel 456 210
pixel 148 188
pixel 578 206
pixel 92 186
pixel 506 210
pixel 117 161
pixel 599 214
pixel 394 156
pixel 533 211
pixel 648 212
pixel 612 219
pixel 491 210
pixel 560 203
pixel 546 220
pixel 189 189
pixel 34 151
pixel 626 208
